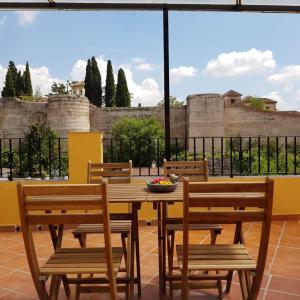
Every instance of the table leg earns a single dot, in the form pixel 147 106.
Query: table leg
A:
pixel 136 206
pixel 164 215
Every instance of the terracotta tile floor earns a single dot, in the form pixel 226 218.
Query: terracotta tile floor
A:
pixel 281 280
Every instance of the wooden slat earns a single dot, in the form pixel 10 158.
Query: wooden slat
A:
pixel 227 187
pixel 110 165
pixel 217 257
pixel 185 163
pixel 120 193
pixel 81 261
pixel 63 203
pixel 62 189
pixel 50 219
pixel 186 171
pixel 109 173
pixel 228 217
pixel 227 200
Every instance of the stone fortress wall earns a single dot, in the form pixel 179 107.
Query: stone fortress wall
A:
pixel 205 115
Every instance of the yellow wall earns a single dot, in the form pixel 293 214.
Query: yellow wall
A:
pixel 83 146
pixel 87 146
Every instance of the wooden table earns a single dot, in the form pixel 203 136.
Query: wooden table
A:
pixel 137 194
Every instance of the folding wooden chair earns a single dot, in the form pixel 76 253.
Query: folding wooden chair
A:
pixel 197 171
pixel 115 173
pixel 104 263
pixel 240 202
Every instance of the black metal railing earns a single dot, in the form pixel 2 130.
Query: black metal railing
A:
pixel 228 156
pixel 37 158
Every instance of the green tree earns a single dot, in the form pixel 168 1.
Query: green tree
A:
pixel 122 93
pixel 173 102
pixel 20 85
pixel 27 81
pixel 14 73
pixel 96 91
pixel 8 89
pixel 39 151
pixel 88 79
pixel 110 89
pixel 58 88
pixel 137 140
pixel 255 102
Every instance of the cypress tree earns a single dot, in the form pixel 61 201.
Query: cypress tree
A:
pixel 110 90
pixel 122 93
pixel 27 81
pixel 8 90
pixel 19 84
pixel 88 79
pixel 14 73
pixel 96 92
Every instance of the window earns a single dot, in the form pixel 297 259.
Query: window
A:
pixel 232 101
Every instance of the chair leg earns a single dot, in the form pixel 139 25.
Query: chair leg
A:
pixel 243 285
pixel 138 262
pixel 170 251
pixel 124 246
pixel 82 240
pixel 44 294
pixel 77 292
pixel 220 289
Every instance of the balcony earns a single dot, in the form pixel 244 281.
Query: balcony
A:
pixel 281 279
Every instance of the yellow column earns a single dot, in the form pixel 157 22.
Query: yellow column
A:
pixel 82 147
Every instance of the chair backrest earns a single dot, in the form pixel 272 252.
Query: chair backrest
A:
pixel 66 201
pixel 231 203
pixel 195 170
pixel 113 172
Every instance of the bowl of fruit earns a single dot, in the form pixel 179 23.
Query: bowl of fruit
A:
pixel 160 185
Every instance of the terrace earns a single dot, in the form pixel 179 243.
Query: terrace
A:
pixel 281 279
pixel 230 159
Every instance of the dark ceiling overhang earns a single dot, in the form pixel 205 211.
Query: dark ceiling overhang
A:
pixel 225 6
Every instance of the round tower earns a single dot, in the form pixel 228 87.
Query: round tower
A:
pixel 68 113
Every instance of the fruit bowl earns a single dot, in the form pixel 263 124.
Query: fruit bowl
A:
pixel 159 185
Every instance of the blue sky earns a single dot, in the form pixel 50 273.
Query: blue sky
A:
pixel 255 54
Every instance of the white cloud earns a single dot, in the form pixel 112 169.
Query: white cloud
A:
pixel 145 67
pixel 138 60
pixel 3 20
pixel 286 74
pixel 281 103
pixel 182 72
pixel 240 63
pixel 40 77
pixel 26 17
pixel 147 93
pixel 78 70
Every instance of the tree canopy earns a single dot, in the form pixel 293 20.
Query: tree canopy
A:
pixel 255 102
pixel 92 82
pixel 27 81
pixel 58 88
pixel 8 89
pixel 110 89
pixel 137 138
pixel 122 93
pixel 173 102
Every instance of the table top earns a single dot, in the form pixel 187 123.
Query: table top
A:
pixel 138 192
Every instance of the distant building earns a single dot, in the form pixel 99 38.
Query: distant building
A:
pixel 268 103
pixel 77 88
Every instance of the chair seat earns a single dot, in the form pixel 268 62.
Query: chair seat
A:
pixel 115 227
pixel 179 227
pixel 81 261
pixel 217 257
